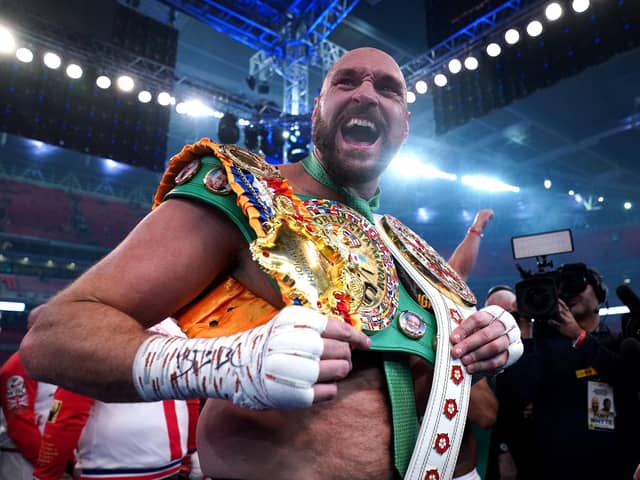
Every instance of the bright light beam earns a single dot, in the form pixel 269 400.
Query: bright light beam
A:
pixel 490 184
pixel 408 164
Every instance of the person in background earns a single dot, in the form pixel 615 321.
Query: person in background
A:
pixel 143 440
pixel 567 367
pixel 25 404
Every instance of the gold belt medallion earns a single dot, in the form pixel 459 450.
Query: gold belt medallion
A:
pixel 428 262
pixel 333 262
pixel 377 281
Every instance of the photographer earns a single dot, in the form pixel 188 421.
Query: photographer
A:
pixel 571 363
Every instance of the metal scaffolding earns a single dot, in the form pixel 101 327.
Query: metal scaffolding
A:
pixel 287 41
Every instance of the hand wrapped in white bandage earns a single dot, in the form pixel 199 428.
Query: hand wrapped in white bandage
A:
pixel 282 364
pixel 487 341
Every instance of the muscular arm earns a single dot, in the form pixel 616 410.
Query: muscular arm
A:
pixel 94 327
pixel 87 338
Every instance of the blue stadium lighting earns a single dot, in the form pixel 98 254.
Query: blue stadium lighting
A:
pixel 112 167
pixel 422 215
pixel 489 184
pixel 409 164
pixel 39 149
pixel 181 108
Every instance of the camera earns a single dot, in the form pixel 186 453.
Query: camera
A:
pixel 537 293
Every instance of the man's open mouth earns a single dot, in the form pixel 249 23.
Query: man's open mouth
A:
pixel 360 130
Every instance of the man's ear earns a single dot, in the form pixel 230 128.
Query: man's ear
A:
pixel 316 103
pixel 406 126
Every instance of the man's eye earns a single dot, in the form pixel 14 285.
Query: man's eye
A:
pixel 346 82
pixel 389 89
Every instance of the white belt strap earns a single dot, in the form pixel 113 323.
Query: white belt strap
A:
pixel 436 450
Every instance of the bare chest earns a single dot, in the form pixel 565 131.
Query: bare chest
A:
pixel 349 438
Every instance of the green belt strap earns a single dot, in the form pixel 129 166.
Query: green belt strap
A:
pixel 403 409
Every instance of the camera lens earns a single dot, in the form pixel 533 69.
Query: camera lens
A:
pixel 538 298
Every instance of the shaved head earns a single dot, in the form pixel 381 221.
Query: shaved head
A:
pixel 360 119
pixel 369 52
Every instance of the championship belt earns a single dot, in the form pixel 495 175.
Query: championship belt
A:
pixel 327 257
pixel 434 283
pixel 322 255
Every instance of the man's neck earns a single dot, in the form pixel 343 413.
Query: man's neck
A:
pixel 305 184
pixel 364 190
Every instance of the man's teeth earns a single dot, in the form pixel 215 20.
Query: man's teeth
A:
pixel 361 122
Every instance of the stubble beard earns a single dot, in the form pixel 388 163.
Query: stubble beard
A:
pixel 333 160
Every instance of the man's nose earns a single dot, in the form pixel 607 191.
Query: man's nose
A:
pixel 366 94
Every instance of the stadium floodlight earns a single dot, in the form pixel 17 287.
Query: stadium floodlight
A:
pixel 534 28
pixel 421 87
pixel 125 83
pixel 580 6
pixel 164 98
pixel 74 71
pixel 553 11
pixel 144 96
pixel 512 36
pixel 455 66
pixel 7 40
pixel 471 63
pixel 103 82
pixel 493 49
pixel 24 55
pixel 52 60
pixel 440 80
